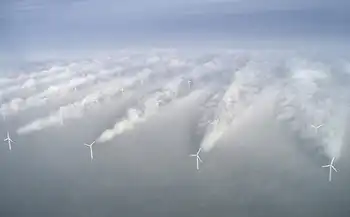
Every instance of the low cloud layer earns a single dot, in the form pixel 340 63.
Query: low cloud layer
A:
pixel 303 91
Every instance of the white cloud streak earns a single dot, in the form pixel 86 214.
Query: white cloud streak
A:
pixel 149 106
pixel 309 91
pixel 247 84
pixel 312 98
pixel 77 109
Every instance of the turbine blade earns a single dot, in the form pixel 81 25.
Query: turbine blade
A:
pixel 93 143
pixel 334 169
pixel 332 160
pixel 326 166
pixel 200 159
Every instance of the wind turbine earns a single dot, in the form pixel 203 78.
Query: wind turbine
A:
pixel 214 122
pixel 227 105
pixel 122 90
pixel 8 140
pixel 330 169
pixel 228 101
pixel 316 127
pixel 198 159
pixel 189 83
pixel 90 146
pixel 158 102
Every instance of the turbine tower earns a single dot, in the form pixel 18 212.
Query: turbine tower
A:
pixel 61 118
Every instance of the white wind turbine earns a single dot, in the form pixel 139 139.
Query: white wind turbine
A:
pixel 198 159
pixel 214 122
pixel 8 140
pixel 189 83
pixel 158 102
pixel 316 127
pixel 91 152
pixel 330 169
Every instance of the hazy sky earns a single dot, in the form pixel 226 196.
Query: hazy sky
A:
pixel 66 23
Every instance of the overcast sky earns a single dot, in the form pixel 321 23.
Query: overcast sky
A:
pixel 39 23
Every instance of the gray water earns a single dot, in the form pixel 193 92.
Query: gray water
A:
pixel 256 171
